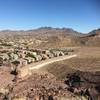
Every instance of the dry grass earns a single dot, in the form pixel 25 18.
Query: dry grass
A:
pixel 88 60
pixel 89 52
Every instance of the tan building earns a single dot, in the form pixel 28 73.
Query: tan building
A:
pixel 44 56
pixel 38 58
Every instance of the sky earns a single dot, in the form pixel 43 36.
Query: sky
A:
pixel 81 15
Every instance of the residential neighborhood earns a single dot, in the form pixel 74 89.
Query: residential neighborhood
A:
pixel 27 56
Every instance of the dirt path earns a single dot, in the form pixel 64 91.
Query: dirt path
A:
pixel 49 61
pixel 35 66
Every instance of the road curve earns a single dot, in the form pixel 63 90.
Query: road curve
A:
pixel 49 61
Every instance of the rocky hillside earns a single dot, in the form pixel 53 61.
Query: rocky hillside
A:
pixel 92 38
pixel 43 32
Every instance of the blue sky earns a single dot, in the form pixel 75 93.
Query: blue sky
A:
pixel 81 15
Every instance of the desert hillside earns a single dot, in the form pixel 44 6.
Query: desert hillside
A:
pixel 55 37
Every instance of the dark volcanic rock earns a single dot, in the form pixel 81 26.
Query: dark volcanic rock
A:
pixel 87 83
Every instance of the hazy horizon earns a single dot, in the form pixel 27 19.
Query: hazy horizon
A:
pixel 80 15
pixel 45 27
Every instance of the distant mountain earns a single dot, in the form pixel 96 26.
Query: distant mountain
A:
pixel 95 32
pixel 42 31
pixel 57 36
pixel 92 38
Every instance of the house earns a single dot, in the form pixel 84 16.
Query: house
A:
pixel 4 57
pixel 61 53
pixel 23 62
pixel 21 55
pixel 45 51
pixel 50 55
pixel 13 56
pixel 22 51
pixel 57 53
pixel 44 56
pixel 66 53
pixel 33 53
pixel 30 60
pixel 38 58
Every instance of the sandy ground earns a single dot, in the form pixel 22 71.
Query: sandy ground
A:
pixel 89 52
pixel 5 77
pixel 88 59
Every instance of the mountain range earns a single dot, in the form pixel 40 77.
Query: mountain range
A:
pixel 57 36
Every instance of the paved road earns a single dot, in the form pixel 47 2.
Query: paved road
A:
pixel 26 70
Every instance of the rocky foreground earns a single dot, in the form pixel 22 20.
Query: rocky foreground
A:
pixel 39 86
pixel 42 85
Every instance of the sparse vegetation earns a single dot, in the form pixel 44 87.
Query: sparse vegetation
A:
pixel 18 51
